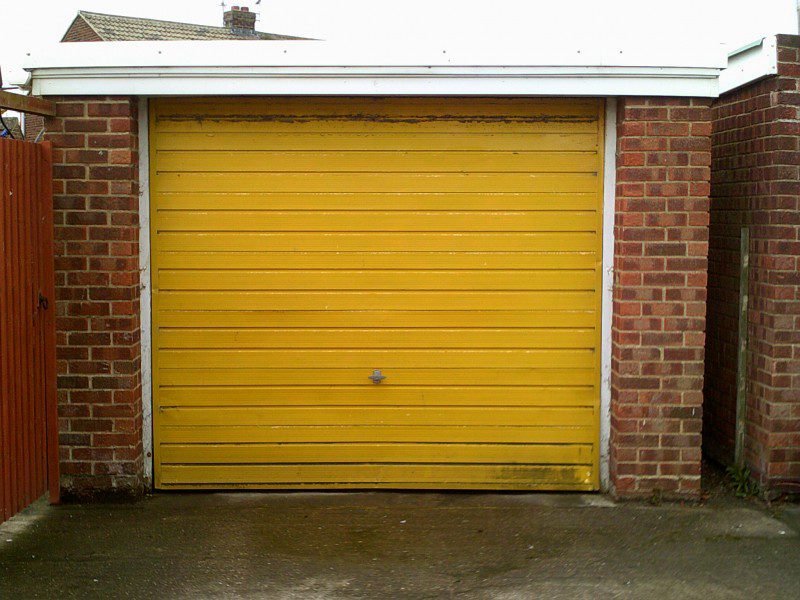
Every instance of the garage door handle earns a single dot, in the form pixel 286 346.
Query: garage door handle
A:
pixel 377 376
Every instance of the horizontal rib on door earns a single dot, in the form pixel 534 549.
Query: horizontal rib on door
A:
pixel 300 243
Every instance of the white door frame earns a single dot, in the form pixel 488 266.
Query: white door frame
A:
pixel 609 196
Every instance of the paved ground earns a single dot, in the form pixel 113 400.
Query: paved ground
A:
pixel 397 546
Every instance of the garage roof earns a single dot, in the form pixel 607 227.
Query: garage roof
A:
pixel 324 68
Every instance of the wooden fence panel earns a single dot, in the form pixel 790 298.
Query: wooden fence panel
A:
pixel 28 410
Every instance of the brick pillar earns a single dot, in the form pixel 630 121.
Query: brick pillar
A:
pixel 97 285
pixel 773 445
pixel 756 169
pixel 660 266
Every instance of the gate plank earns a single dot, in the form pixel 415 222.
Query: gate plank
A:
pixel 28 450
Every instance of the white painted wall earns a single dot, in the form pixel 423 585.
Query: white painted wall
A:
pixel 144 286
pixel 609 198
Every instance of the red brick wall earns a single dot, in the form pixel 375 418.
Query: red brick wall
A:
pixel 97 282
pixel 660 262
pixel 79 31
pixel 756 183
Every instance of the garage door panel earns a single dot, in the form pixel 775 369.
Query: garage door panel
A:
pixel 377 182
pixel 417 476
pixel 374 300
pixel 380 161
pixel 298 244
pixel 393 201
pixel 400 280
pixel 386 127
pixel 382 453
pixel 571 394
pixel 369 338
pixel 360 242
pixel 365 220
pixel 376 108
pixel 273 376
pixel 381 319
pixel 377 434
pixel 430 261
pixel 369 359
pixel 400 141
pixel 366 414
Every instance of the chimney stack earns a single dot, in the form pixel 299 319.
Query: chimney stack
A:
pixel 240 20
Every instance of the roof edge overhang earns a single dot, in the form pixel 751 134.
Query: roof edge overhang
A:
pixel 750 63
pixel 322 68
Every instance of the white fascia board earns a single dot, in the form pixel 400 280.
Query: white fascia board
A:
pixel 502 81
pixel 319 68
pixel 749 64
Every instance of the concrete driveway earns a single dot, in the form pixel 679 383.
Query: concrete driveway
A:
pixel 398 546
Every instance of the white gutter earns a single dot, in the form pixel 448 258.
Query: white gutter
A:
pixel 750 63
pixel 321 68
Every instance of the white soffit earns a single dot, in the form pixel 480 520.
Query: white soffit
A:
pixel 323 68
pixel 750 63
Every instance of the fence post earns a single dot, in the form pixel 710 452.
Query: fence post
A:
pixel 47 256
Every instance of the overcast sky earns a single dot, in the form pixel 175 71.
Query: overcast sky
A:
pixel 27 24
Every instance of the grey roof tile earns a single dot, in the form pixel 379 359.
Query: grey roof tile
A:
pixel 116 28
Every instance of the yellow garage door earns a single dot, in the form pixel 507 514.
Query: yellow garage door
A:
pixel 304 247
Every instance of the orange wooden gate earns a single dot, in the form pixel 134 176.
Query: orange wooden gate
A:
pixel 28 409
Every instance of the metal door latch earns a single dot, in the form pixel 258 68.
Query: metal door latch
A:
pixel 376 376
pixel 43 302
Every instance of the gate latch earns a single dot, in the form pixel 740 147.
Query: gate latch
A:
pixel 43 302
pixel 377 376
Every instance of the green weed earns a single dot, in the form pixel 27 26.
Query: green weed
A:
pixel 743 485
